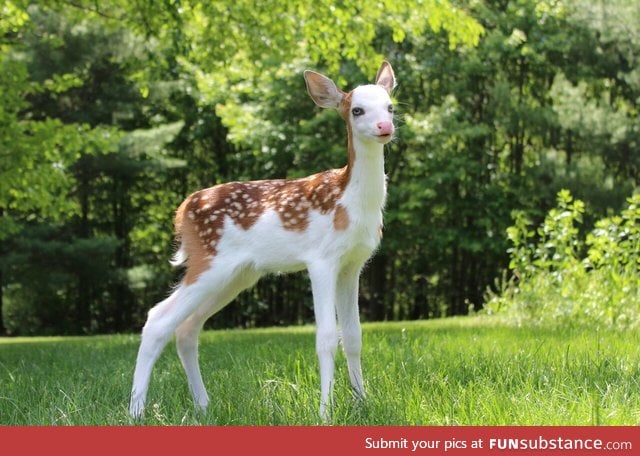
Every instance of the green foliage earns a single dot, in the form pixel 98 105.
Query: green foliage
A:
pixel 12 18
pixel 72 282
pixel 562 278
pixel 615 241
pixel 557 245
pixel 112 112
pixel 78 147
pixel 36 153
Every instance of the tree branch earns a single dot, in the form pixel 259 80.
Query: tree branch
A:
pixel 94 10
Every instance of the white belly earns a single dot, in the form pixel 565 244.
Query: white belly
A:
pixel 268 247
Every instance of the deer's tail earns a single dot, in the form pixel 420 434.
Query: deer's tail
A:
pixel 180 256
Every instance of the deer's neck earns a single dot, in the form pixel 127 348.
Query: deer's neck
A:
pixel 366 187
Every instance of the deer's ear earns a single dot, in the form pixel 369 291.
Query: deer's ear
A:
pixel 385 77
pixel 323 90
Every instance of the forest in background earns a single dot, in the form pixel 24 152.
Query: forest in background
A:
pixel 112 112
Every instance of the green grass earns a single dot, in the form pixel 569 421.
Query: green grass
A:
pixel 461 371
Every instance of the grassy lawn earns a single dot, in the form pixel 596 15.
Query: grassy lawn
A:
pixel 460 371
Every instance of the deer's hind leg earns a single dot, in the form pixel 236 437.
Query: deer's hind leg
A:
pixel 195 301
pixel 187 333
pixel 162 321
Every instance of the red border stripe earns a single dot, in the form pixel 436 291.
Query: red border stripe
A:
pixel 351 441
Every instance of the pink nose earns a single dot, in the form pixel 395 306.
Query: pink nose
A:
pixel 385 128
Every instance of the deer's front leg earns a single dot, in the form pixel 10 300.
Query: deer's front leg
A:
pixel 323 283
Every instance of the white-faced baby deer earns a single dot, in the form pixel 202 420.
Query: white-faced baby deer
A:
pixel 329 223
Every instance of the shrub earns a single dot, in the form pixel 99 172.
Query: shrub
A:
pixel 559 278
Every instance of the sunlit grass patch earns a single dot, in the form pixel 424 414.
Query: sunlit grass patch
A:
pixel 460 371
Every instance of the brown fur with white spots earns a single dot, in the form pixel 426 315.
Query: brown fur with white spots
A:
pixel 200 219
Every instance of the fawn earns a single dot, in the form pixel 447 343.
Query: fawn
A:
pixel 329 223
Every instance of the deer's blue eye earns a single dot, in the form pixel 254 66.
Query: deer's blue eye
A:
pixel 357 111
